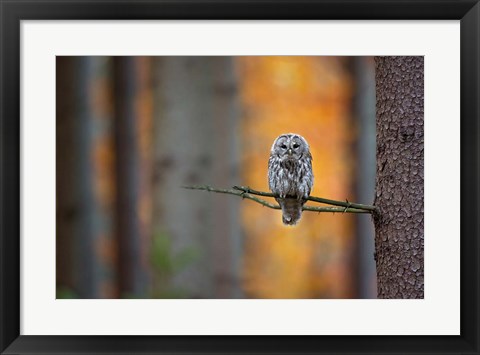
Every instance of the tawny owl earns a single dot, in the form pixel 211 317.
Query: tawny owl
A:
pixel 290 175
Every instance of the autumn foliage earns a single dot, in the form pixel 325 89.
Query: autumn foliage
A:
pixel 224 113
pixel 310 96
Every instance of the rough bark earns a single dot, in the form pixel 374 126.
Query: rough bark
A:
pixel 399 232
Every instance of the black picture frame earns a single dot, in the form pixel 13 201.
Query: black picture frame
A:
pixel 13 12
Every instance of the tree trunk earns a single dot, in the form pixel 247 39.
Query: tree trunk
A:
pixel 80 268
pixel 399 182
pixel 195 142
pixel 364 112
pixel 65 197
pixel 133 275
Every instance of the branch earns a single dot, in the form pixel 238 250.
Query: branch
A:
pixel 248 193
pixel 312 198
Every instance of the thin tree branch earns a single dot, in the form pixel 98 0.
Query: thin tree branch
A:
pixel 311 198
pixel 246 192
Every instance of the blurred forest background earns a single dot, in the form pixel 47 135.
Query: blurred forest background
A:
pixel 130 131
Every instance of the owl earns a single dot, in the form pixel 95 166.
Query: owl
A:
pixel 290 175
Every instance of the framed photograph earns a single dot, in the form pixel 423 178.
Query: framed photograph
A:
pixel 239 177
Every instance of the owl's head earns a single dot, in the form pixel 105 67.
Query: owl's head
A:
pixel 290 146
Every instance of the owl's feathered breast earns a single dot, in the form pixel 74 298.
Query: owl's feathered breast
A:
pixel 292 178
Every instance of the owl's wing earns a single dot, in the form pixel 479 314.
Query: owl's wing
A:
pixel 308 178
pixel 271 175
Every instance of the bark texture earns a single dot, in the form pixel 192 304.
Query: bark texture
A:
pixel 399 232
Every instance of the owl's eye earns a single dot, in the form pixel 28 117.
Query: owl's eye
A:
pixel 295 146
pixel 283 146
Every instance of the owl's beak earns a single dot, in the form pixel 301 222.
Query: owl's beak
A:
pixel 290 151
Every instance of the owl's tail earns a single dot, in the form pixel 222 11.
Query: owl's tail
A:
pixel 291 210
